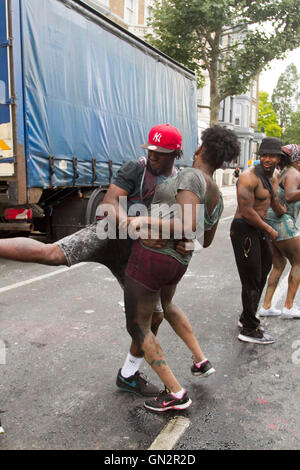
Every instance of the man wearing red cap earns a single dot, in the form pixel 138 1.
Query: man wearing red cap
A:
pixel 164 139
pixel 136 180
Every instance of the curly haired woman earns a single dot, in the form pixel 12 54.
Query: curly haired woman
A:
pixel 153 272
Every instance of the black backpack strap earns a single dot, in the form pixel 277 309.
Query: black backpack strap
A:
pixel 259 171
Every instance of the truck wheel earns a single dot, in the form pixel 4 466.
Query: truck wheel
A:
pixel 95 200
pixel 68 217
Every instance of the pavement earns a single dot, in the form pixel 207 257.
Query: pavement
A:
pixel 228 191
pixel 65 338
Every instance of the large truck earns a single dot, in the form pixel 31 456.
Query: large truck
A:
pixel 78 96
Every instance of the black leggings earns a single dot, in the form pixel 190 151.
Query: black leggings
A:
pixel 253 256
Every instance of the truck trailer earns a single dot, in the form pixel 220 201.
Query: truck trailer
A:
pixel 78 96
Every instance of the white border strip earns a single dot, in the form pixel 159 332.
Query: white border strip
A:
pixel 54 273
pixel 170 434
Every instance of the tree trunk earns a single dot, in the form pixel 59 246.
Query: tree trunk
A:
pixel 214 102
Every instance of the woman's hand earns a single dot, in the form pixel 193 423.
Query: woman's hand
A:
pixel 185 247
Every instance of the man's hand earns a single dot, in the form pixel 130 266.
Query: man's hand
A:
pixel 144 227
pixel 154 243
pixel 273 234
pixel 277 207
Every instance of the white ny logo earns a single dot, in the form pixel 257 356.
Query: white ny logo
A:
pixel 157 137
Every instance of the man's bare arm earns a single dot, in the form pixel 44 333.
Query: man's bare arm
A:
pixel 291 185
pixel 112 198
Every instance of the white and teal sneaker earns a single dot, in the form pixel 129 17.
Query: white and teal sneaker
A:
pixel 137 384
pixel 288 313
pixel 269 312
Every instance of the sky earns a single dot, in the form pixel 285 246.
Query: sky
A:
pixel 268 79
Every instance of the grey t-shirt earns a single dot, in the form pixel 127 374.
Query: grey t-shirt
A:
pixel 129 177
pixel 165 206
pixel 189 179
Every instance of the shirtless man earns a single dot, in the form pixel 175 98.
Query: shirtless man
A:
pixel 250 236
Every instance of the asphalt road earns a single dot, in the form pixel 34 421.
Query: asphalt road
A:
pixel 65 340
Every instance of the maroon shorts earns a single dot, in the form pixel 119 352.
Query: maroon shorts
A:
pixel 152 269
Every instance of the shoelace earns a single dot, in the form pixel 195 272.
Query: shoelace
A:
pixel 142 377
pixel 163 394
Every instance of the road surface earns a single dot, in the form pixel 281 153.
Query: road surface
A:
pixel 64 337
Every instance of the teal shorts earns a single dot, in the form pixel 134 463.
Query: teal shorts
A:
pixel 285 226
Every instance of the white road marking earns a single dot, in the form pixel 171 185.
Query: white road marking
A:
pixel 170 434
pixel 54 273
pixel 279 293
pixel 39 278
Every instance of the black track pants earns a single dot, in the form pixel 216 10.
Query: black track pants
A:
pixel 253 256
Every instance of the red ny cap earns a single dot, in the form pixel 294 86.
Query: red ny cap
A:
pixel 163 138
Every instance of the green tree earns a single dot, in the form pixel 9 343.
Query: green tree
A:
pixel 291 134
pixel 228 38
pixel 267 118
pixel 285 94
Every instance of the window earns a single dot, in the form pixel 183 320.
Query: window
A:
pixel 254 89
pixel 253 114
pixel 130 15
pixel 200 95
pixel 247 116
pixel 148 11
pixel 222 111
pixel 231 109
pixel 238 115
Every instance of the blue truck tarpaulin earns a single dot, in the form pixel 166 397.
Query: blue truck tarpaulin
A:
pixel 4 91
pixel 89 95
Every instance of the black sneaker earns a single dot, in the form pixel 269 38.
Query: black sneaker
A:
pixel 137 384
pixel 166 401
pixel 255 336
pixel 205 370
